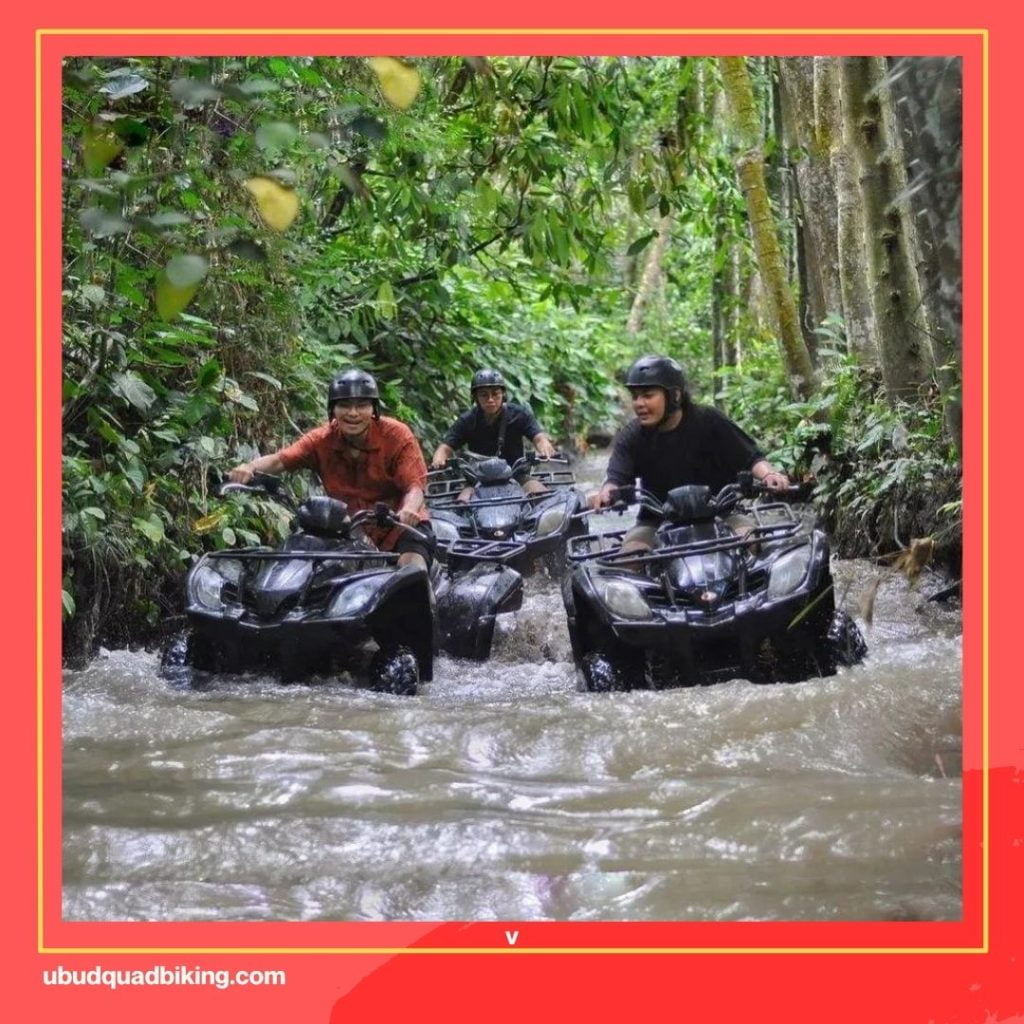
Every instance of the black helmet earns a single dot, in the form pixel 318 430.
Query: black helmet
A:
pixel 653 371
pixel 486 379
pixel 353 384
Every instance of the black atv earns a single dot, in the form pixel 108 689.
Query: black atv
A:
pixel 500 521
pixel 488 543
pixel 733 588
pixel 314 605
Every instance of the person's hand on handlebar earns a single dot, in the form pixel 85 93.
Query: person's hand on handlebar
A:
pixel 545 449
pixel 407 517
pixel 603 498
pixel 775 481
pixel 441 456
pixel 271 465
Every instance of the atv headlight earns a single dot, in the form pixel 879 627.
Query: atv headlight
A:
pixel 788 571
pixel 229 568
pixel 352 599
pixel 624 599
pixel 550 521
pixel 444 531
pixel 206 586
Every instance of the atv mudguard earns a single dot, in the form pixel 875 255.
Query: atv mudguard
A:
pixel 403 616
pixel 468 605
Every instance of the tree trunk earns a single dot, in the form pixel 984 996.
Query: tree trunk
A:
pixel 928 96
pixel 895 288
pixel 750 170
pixel 810 106
pixel 651 275
pixel 858 316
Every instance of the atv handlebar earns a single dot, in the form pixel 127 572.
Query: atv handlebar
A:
pixel 382 515
pixel 750 487
pixel 264 484
pixel 745 487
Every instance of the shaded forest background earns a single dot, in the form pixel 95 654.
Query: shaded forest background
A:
pixel 238 230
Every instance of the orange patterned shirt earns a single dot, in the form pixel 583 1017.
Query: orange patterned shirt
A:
pixel 390 465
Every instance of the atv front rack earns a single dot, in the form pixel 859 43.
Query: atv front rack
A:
pixel 554 479
pixel 484 550
pixel 605 548
pixel 518 499
pixel 449 482
pixel 444 483
pixel 375 558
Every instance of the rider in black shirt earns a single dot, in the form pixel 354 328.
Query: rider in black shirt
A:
pixel 494 427
pixel 673 441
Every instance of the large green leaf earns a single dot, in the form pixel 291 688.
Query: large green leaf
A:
pixel 150 526
pixel 134 390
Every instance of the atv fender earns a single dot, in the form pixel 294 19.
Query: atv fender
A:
pixel 403 616
pixel 469 604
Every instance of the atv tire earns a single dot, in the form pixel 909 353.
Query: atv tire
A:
pixel 846 639
pixel 395 671
pixel 187 661
pixel 601 674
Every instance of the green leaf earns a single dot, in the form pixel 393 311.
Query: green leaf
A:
pixel 275 135
pixel 637 197
pixel 250 89
pixel 151 527
pixel 186 270
pixel 386 301
pixel 166 219
pixel 641 243
pixel 137 476
pixel 100 146
pixel 228 536
pixel 272 381
pixel 133 131
pixel 96 513
pixel 68 604
pixel 101 223
pixel 93 294
pixel 134 390
pixel 120 84
pixel 192 92
pixel 209 372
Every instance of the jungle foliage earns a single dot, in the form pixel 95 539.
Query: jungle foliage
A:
pixel 236 231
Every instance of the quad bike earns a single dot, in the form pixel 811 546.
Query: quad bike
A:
pixel 327 599
pixel 733 587
pixel 490 541
pixel 500 520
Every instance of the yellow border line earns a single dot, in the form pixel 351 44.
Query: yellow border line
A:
pixel 39 482
pixel 380 950
pixel 521 951
pixel 653 31
pixel 985 847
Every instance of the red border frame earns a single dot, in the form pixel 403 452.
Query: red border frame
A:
pixel 981 946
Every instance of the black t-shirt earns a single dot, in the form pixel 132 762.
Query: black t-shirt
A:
pixel 706 448
pixel 472 429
